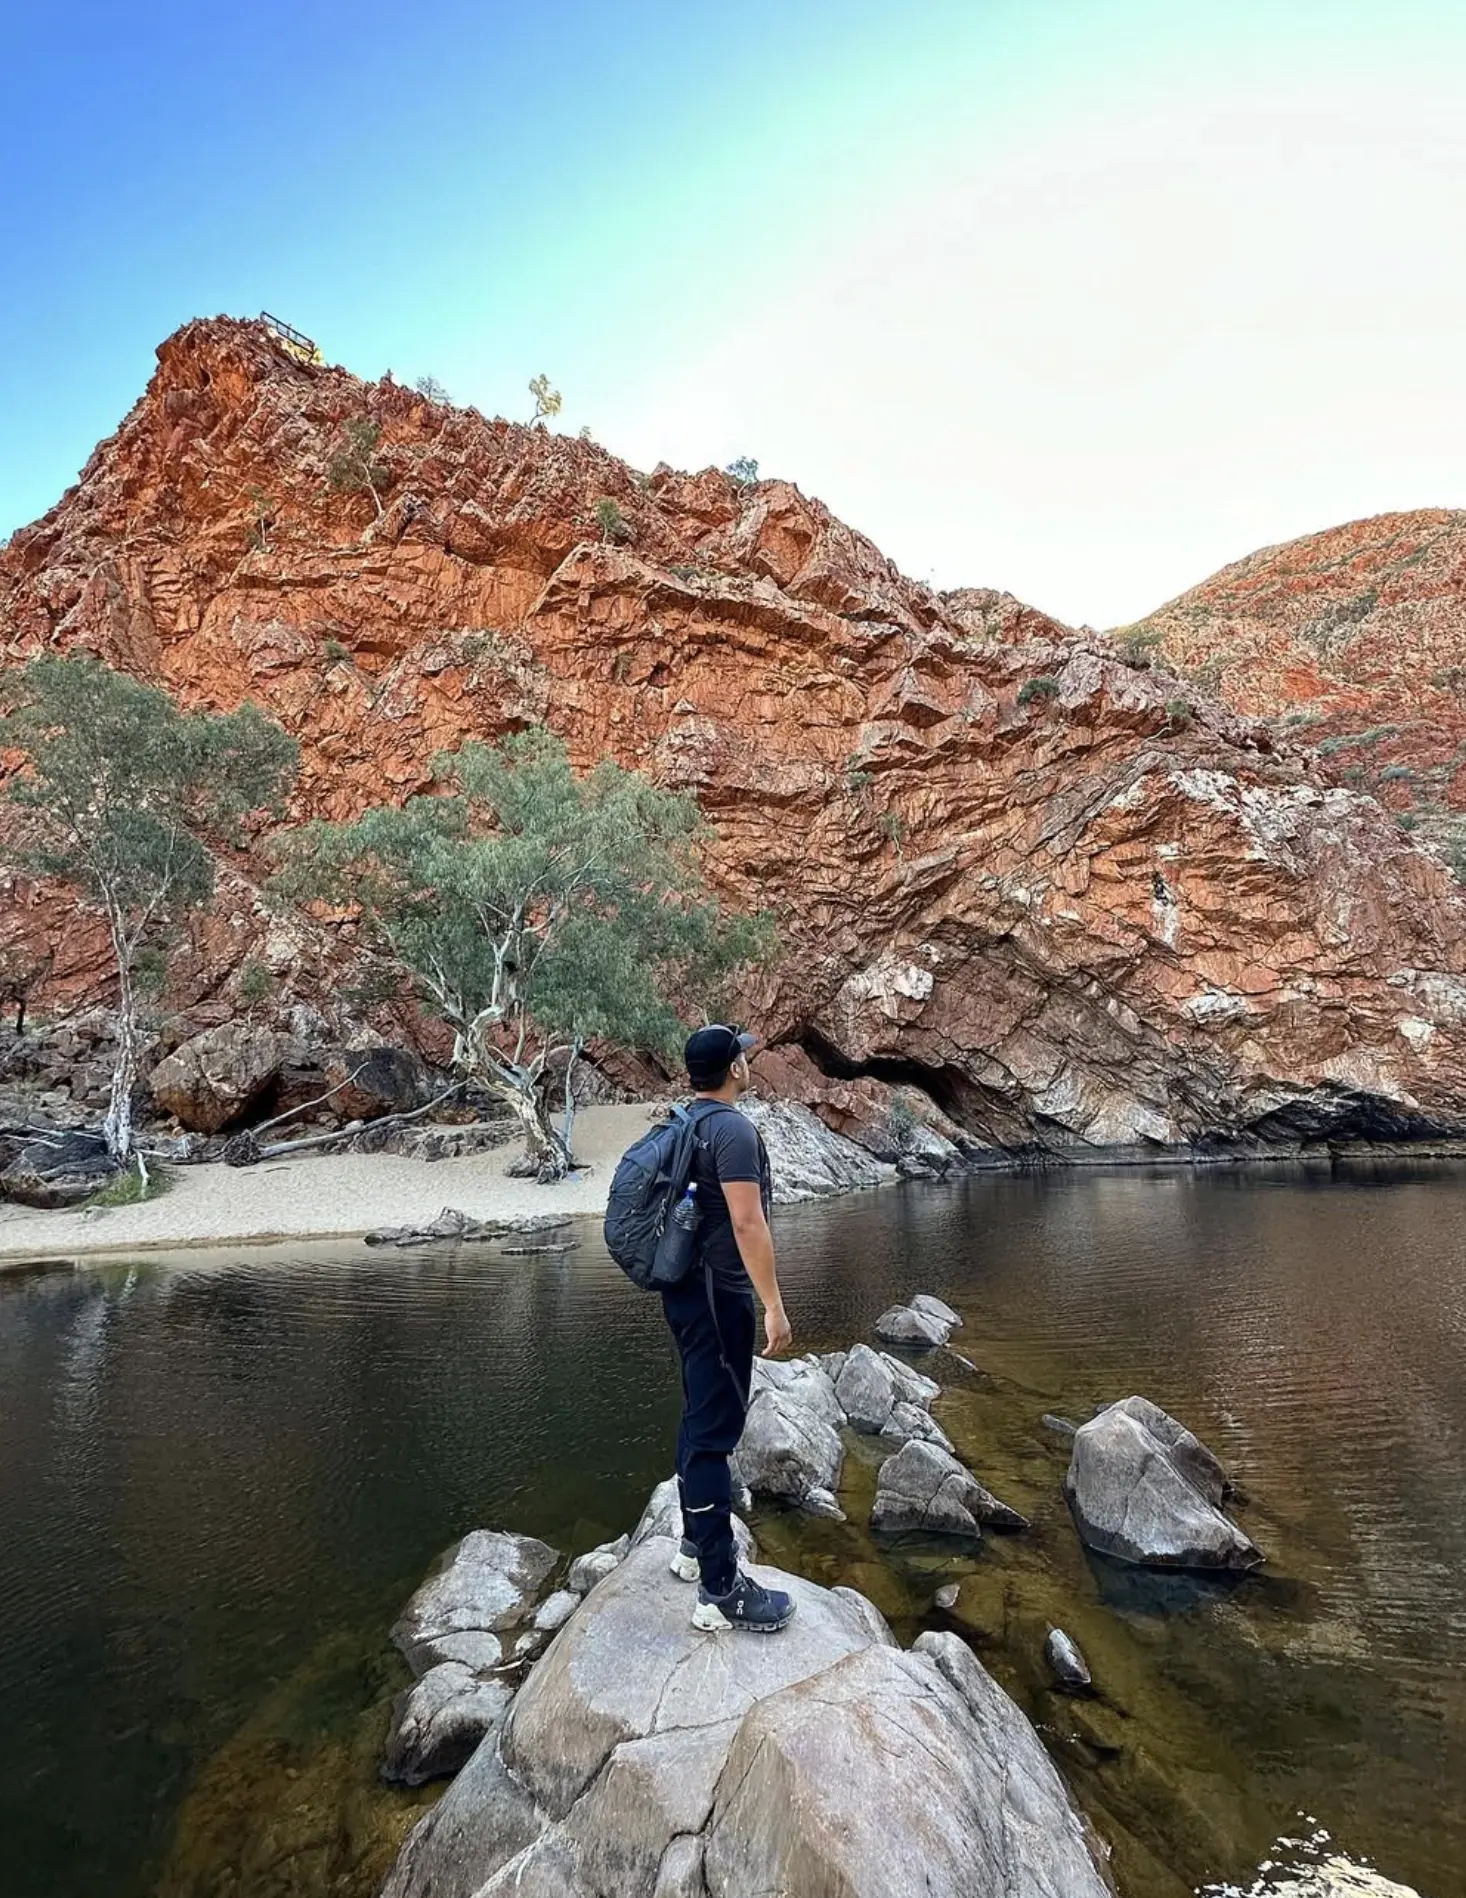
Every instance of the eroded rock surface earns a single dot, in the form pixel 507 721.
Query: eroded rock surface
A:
pixel 488 1582
pixel 1093 906
pixel 1143 1489
pixel 212 1080
pixel 641 1758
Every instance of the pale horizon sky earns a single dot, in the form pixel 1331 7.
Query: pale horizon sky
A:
pixel 1078 298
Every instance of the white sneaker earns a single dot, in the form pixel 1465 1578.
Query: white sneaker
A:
pixel 685 1564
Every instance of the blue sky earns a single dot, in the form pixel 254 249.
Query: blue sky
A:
pixel 1077 297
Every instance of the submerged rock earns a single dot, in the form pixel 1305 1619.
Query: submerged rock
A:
pixel 1058 1426
pixel 439 1720
pixel 487 1582
pixel 1067 1665
pixel 642 1758
pixel 1143 1489
pixel 905 1324
pixel 925 1490
pixel 946 1596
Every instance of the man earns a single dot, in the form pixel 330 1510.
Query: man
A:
pixel 711 1315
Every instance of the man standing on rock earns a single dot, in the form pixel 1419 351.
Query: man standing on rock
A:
pixel 711 1316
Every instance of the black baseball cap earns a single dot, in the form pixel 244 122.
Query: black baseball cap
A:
pixel 712 1051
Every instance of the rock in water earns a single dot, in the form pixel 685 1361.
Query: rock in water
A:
pixel 938 1309
pixel 866 1389
pixel 786 1449
pixel 1143 1489
pixel 946 1596
pixel 487 1582
pixel 1067 1665
pixel 1058 1426
pixel 904 1324
pixel 439 1720
pixel 643 1758
pixel 805 1381
pixel 925 1490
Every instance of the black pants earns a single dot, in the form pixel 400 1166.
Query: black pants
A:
pixel 714 1339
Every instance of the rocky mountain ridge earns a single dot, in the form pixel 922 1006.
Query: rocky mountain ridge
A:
pixel 1082 905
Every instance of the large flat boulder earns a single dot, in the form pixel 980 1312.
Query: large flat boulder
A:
pixel 1143 1489
pixel 645 1760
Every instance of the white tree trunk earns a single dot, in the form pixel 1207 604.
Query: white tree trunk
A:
pixel 117 1127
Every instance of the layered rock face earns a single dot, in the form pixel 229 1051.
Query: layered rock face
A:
pixel 1353 639
pixel 1003 867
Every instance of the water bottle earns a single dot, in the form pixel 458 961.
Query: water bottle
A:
pixel 677 1247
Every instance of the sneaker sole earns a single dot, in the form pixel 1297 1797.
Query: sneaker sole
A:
pixel 710 1620
pixel 686 1568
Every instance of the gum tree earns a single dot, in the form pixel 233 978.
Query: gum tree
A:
pixel 122 796
pixel 535 910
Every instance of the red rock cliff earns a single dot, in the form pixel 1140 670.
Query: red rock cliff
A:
pixel 1353 640
pixel 1004 866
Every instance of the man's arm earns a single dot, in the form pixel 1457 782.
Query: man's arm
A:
pixel 756 1249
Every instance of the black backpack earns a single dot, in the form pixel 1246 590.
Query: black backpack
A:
pixel 650 1178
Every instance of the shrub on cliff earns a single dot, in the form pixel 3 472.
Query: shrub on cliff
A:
pixel 535 910
pixel 351 468
pixel 120 796
pixel 613 523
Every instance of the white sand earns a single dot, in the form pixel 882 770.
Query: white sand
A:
pixel 326 1197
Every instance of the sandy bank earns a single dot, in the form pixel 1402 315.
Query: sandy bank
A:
pixel 325 1197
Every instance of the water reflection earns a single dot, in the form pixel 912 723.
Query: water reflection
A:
pixel 214 1470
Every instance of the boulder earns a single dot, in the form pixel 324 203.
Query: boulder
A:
pixel 908 1420
pixel 439 1720
pixel 911 1386
pixel 787 1449
pixel 946 1596
pixel 938 1309
pixel 587 1570
pixel 213 1080
pixel 61 1170
pixel 1067 1665
pixel 1143 1489
pixel 904 1324
pixel 924 1490
pixel 373 1081
pixel 663 1517
pixel 485 1584
pixel 803 1380
pixel 866 1389
pixel 641 1758
pixel 808 1161
pixel 822 1502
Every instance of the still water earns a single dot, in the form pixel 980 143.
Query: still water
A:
pixel 220 1477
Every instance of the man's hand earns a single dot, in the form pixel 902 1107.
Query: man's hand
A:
pixel 776 1331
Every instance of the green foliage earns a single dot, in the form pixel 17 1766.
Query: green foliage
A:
pixel 1396 773
pixel 1137 643
pixel 433 391
pixel 529 903
pixel 118 796
pixel 1376 733
pixel 150 970
pixel 262 519
pixel 1447 676
pixel 131 1187
pixel 682 571
pixel 1407 820
pixel 857 779
pixel 547 401
pixel 743 471
pixel 351 467
pixel 900 1117
pixel 613 523
pixel 336 653
pixel 254 982
pixel 1180 713
pixel 894 826
pixel 1041 688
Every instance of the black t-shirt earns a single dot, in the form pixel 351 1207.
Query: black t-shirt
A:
pixel 729 1147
